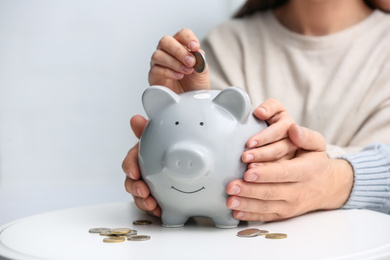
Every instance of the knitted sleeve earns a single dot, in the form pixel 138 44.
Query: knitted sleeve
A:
pixel 371 189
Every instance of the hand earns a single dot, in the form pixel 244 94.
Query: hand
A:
pixel 133 184
pixel 172 63
pixel 272 143
pixel 284 189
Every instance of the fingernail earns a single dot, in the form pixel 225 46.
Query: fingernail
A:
pixel 251 177
pixel 300 132
pixel 235 203
pixel 253 165
pixel 186 69
pixel 193 45
pixel 253 144
pixel 189 60
pixel 235 190
pixel 262 109
pixel 249 157
pixel 130 175
pixel 240 214
pixel 178 75
pixel 138 190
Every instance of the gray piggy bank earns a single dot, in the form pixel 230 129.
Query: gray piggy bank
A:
pixel 191 149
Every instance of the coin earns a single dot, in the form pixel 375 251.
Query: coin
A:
pixel 263 232
pixel 106 233
pixel 138 238
pixel 200 64
pixel 113 239
pixel 275 236
pixel 119 231
pixel 133 232
pixel 98 230
pixel 250 232
pixel 142 222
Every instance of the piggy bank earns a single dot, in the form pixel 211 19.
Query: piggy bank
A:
pixel 191 149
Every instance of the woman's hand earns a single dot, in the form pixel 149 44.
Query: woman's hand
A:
pixel 288 188
pixel 133 184
pixel 272 143
pixel 172 63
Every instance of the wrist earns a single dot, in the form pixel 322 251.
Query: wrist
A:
pixel 343 178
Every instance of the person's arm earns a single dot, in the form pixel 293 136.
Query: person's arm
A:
pixel 371 189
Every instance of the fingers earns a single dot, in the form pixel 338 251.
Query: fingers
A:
pixel 307 139
pixel 253 190
pixel 141 195
pixel 278 119
pixel 130 163
pixel 138 124
pixel 255 210
pixel 287 171
pixel 284 149
pixel 265 202
pixel 173 58
pixel 269 109
pixel 137 188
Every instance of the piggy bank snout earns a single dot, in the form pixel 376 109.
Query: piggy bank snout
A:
pixel 186 162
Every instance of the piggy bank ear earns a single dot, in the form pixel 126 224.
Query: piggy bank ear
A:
pixel 236 101
pixel 156 98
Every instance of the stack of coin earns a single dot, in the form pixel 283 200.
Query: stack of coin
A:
pixel 116 235
pixel 252 232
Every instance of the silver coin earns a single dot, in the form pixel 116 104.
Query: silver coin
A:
pixel 138 238
pixel 99 230
pixel 133 232
pixel 200 64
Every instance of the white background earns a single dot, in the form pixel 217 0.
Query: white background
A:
pixel 71 75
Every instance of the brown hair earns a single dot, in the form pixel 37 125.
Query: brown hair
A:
pixel 253 6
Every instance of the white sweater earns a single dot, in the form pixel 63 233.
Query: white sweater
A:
pixel 338 85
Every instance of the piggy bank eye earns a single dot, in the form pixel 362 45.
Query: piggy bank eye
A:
pixel 177 123
pixel 201 124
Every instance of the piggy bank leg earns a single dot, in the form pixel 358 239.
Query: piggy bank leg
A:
pixel 225 220
pixel 173 219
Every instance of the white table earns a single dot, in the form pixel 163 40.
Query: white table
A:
pixel 340 234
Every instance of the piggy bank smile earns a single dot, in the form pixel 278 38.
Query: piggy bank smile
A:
pixel 188 192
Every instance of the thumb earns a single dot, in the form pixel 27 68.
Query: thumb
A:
pixel 138 124
pixel 306 139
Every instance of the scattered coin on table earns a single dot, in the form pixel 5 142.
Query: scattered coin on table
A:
pixel 275 236
pixel 138 238
pixel 251 232
pixel 98 230
pixel 254 232
pixel 116 235
pixel 113 239
pixel 142 222
pixel 119 231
